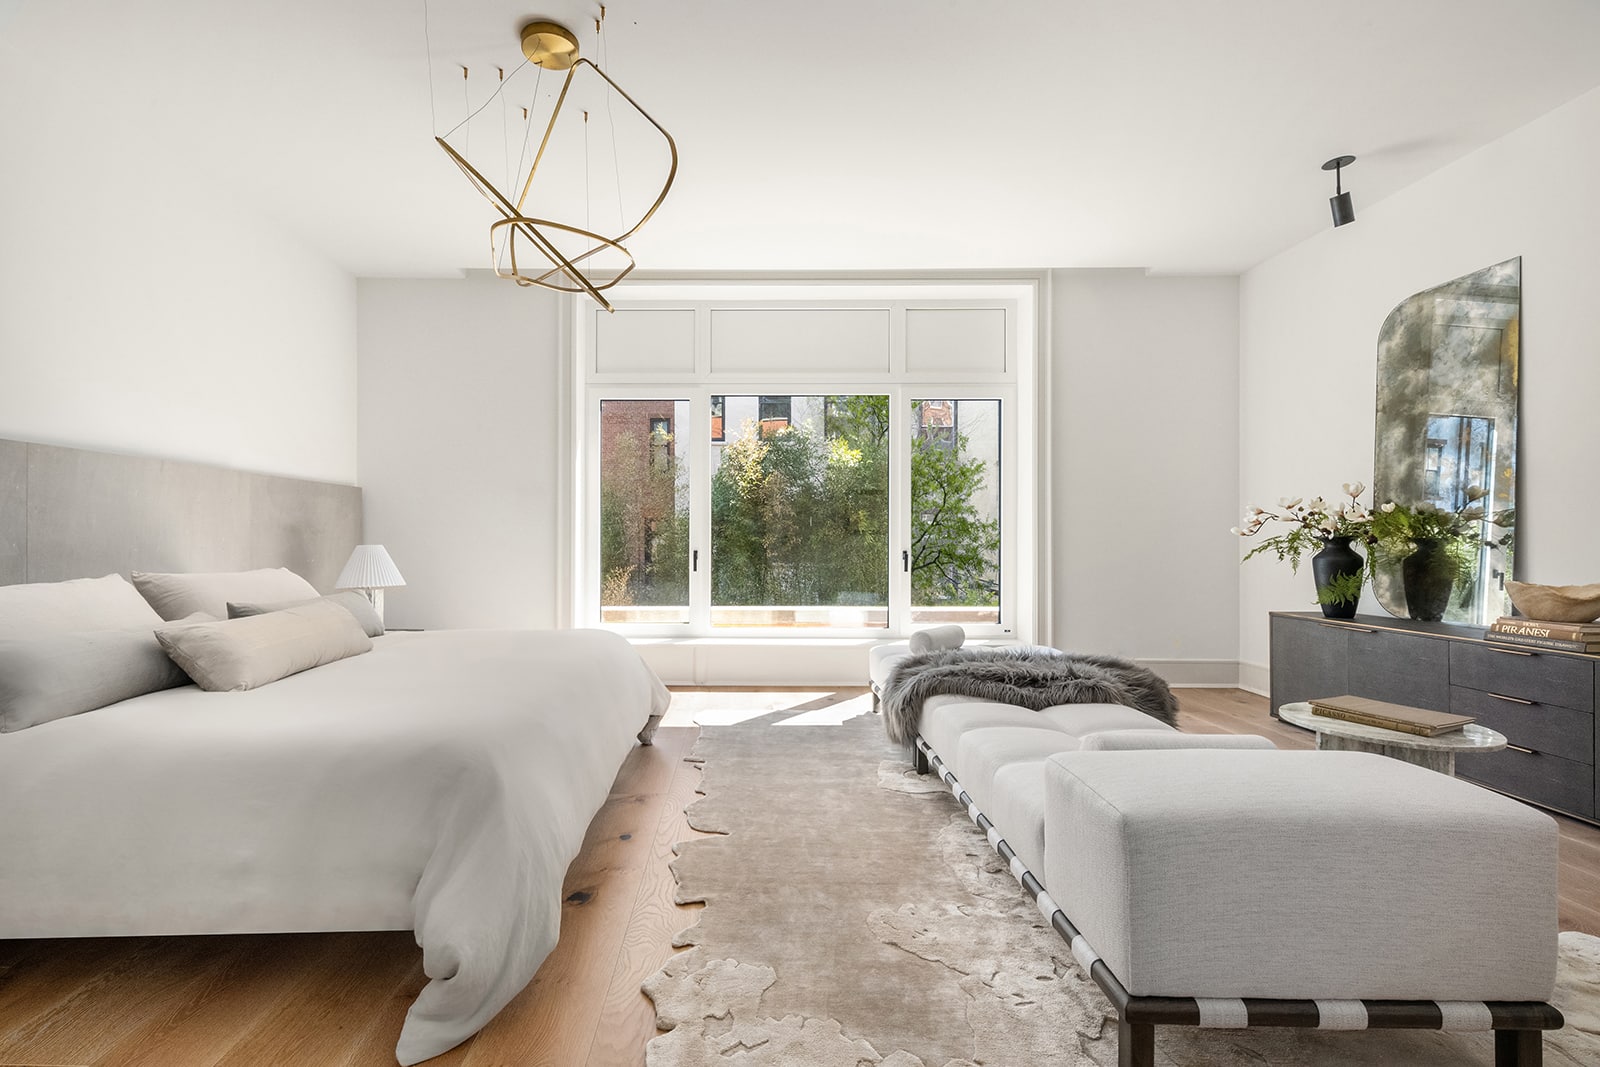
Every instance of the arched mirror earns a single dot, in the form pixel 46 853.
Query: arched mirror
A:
pixel 1447 442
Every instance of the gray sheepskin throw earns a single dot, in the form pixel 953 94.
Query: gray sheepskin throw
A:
pixel 1025 677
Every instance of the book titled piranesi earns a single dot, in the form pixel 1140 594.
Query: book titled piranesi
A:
pixel 1387 716
pixel 1557 631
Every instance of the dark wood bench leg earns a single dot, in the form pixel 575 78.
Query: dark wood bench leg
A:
pixel 1136 1044
pixel 1518 1048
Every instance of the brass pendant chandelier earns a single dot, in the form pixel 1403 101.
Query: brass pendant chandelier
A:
pixel 553 253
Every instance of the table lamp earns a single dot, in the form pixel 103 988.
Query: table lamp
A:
pixel 370 571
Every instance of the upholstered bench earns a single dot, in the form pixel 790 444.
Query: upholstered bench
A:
pixel 1261 888
pixel 883 659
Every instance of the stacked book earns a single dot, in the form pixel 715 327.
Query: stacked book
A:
pixel 1407 720
pixel 1557 636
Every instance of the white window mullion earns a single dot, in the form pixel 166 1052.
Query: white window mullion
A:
pixel 700 512
pixel 899 510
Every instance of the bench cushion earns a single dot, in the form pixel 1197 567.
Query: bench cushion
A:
pixel 1303 875
pixel 1144 740
pixel 981 753
pixel 943 724
pixel 1081 720
pixel 1017 810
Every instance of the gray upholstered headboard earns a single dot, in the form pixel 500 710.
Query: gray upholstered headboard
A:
pixel 70 513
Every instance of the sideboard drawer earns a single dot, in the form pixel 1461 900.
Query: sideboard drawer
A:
pixel 1557 783
pixel 1567 681
pixel 1400 668
pixel 1548 728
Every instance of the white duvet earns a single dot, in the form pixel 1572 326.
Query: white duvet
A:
pixel 441 782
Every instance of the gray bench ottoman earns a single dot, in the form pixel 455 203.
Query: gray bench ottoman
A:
pixel 1332 889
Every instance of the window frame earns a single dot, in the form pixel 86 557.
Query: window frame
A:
pixel 1021 561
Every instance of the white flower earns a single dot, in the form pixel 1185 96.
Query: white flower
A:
pixel 1236 532
pixel 1476 492
pixel 1386 508
pixel 1284 501
pixel 1354 489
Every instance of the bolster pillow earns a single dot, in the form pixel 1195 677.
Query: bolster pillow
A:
pixel 938 637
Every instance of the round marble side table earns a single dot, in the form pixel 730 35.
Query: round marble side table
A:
pixel 1434 753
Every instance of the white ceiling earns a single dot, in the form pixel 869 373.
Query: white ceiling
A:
pixel 838 134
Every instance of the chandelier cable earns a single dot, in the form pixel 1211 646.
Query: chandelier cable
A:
pixel 427 46
pixel 486 103
pixel 611 120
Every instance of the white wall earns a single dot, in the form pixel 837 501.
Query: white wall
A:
pixel 461 446
pixel 1309 321
pixel 142 310
pixel 1144 427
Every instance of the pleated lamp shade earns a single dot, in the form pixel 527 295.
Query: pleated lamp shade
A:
pixel 369 568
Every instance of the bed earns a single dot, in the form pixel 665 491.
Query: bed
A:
pixel 441 783
pixel 436 781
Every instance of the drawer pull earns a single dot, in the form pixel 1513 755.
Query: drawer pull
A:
pixel 1519 748
pixel 1514 700
pixel 1510 651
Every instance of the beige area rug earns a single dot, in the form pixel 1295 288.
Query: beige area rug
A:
pixel 855 917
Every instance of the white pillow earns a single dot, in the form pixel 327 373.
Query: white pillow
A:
pixel 41 608
pixel 247 653
pixel 938 637
pixel 175 596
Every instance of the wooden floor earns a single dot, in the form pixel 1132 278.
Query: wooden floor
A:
pixel 338 999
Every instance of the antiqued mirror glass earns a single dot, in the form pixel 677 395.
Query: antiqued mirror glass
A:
pixel 1447 442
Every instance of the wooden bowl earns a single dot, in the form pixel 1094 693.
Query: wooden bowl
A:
pixel 1556 603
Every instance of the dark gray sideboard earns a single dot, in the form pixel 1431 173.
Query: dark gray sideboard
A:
pixel 1544 702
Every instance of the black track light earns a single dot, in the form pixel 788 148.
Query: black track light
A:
pixel 1343 210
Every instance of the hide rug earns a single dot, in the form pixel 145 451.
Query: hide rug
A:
pixel 855 917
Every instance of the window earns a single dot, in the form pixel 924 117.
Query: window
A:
pixel 644 513
pixel 800 460
pixel 796 513
pixel 773 413
pixel 718 432
pixel 955 512
pixel 800 515
pixel 660 442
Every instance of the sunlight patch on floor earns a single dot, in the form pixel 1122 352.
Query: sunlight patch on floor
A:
pixel 727 707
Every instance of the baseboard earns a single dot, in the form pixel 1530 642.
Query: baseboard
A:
pixel 843 662
pixel 1195 673
pixel 1255 678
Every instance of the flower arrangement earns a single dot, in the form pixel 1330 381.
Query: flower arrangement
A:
pixel 1397 529
pixel 1311 525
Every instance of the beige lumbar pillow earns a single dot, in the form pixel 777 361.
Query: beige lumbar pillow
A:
pixel 246 653
pixel 177 595
pixel 355 603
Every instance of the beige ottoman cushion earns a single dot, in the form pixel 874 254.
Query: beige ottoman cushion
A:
pixel 981 753
pixel 942 725
pixel 1302 875
pixel 1017 811
pixel 1081 720
pixel 1144 740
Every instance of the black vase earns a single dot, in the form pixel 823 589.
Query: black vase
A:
pixel 1427 576
pixel 1337 560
